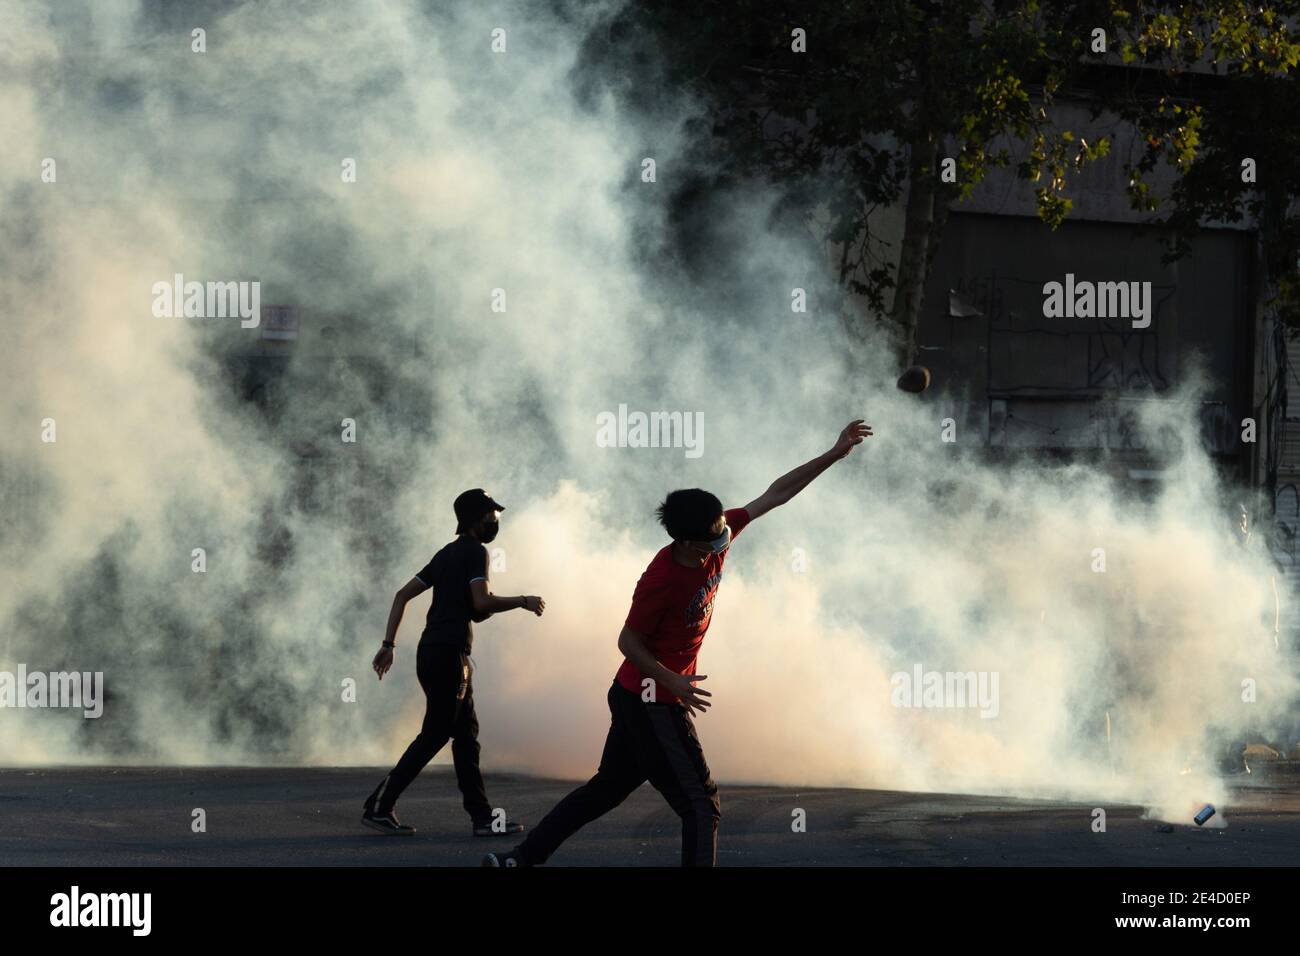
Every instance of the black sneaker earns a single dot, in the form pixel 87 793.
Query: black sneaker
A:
pixel 386 823
pixel 510 858
pixel 485 829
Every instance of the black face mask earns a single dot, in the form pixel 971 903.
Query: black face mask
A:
pixel 489 531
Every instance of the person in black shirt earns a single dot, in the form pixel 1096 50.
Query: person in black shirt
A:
pixel 458 575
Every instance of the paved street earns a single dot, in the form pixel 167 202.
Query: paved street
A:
pixel 309 817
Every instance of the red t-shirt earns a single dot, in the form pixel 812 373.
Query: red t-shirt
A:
pixel 672 606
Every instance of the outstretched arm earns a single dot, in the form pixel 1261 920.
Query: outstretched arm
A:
pixel 793 482
pixel 485 602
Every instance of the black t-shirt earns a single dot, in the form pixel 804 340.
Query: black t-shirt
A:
pixel 449 573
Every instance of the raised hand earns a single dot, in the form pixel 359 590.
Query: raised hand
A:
pixel 853 434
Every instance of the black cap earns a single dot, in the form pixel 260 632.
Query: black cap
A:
pixel 472 505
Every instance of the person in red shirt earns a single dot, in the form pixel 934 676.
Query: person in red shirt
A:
pixel 655 694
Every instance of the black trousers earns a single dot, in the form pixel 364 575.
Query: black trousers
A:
pixel 655 742
pixel 441 669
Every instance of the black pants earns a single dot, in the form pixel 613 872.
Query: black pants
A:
pixel 441 668
pixel 655 742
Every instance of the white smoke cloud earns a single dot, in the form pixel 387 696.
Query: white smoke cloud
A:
pixel 479 171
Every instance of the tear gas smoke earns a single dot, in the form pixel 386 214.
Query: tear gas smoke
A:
pixel 478 171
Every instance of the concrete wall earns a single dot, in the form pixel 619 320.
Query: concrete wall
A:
pixel 1026 380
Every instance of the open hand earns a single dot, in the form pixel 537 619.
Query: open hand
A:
pixel 682 686
pixel 853 434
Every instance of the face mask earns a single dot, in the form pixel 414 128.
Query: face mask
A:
pixel 489 531
pixel 719 544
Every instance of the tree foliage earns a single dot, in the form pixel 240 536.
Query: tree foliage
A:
pixel 888 88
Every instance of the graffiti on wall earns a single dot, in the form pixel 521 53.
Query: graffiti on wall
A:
pixel 1116 356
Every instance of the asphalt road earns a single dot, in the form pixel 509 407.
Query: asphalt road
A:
pixel 310 817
